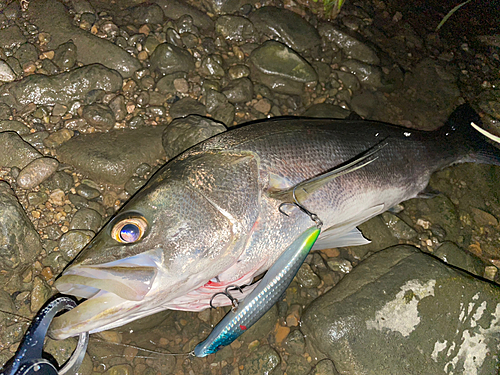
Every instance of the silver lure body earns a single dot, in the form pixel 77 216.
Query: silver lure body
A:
pixel 262 298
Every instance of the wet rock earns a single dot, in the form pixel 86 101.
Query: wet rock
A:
pixel 36 198
pixel 399 228
pixel 339 265
pixel 58 138
pixel 263 106
pixel 168 59
pixel 185 132
pixel 307 278
pixel 297 365
pixel 120 370
pixel 73 241
pixel 49 67
pixel 5 111
pixel 325 110
pixel 295 343
pixel 62 88
pixel 51 16
pixel 15 152
pixel 223 111
pixel 26 54
pixel 211 66
pixel 113 157
pixel 285 26
pixel 11 37
pixel 19 241
pixel 238 71
pixel 59 180
pixel 175 9
pixel 87 192
pixel 12 11
pixel 441 210
pixel 87 219
pixel 365 104
pixel 263 361
pixel 166 84
pixel 65 55
pixel 452 254
pixel 134 184
pixel 82 6
pixel 187 106
pixel 6 73
pixel 483 218
pixel 235 28
pixel 14 126
pixel 40 294
pixel 117 105
pixel 378 233
pixel 53 231
pixel 367 74
pixel 281 69
pixel 239 90
pixel 99 116
pixel 324 367
pixel 36 172
pixel 393 303
pixel 145 13
pixel 428 108
pixel 348 80
pixel 351 46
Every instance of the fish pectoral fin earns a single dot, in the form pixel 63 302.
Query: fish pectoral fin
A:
pixel 330 241
pixel 130 283
pixel 346 233
pixel 302 190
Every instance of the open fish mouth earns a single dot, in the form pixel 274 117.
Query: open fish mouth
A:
pixel 113 292
pixel 130 283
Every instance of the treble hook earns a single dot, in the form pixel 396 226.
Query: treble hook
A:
pixel 296 203
pixel 234 301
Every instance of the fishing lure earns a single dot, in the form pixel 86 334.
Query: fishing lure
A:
pixel 263 297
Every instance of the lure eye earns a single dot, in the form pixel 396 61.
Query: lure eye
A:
pixel 129 230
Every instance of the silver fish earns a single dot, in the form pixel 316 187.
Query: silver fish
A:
pixel 210 217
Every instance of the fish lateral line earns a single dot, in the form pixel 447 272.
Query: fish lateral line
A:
pixel 307 187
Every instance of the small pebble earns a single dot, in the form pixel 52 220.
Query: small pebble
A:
pixel 281 333
pixel 58 138
pixel 87 192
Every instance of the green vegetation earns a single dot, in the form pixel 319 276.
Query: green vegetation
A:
pixel 450 13
pixel 332 7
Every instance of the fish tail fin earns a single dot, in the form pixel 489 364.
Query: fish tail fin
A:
pixel 465 130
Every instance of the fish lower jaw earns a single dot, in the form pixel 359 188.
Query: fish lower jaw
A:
pixel 103 311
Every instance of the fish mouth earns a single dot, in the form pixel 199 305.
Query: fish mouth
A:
pixel 116 293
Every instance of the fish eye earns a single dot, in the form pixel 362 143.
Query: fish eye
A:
pixel 129 230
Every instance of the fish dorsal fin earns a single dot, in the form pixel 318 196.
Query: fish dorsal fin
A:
pixel 302 190
pixel 346 233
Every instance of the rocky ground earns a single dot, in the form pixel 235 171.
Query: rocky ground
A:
pixel 94 99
